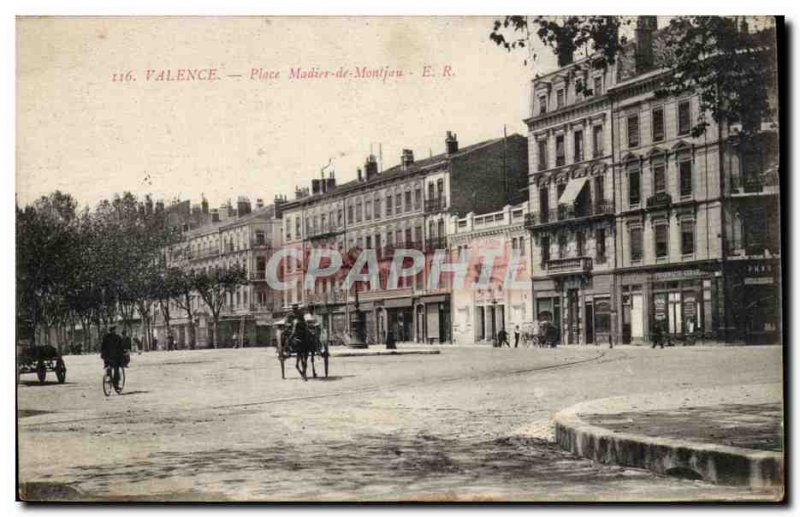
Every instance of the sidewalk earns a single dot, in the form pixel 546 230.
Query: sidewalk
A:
pixel 380 350
pixel 728 435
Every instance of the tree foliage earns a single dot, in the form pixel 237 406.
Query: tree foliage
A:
pixel 728 65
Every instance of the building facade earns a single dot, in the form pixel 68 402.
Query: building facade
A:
pixel 660 229
pixel 506 301
pixel 408 206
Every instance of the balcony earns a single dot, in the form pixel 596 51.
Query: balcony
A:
pixel 566 214
pixel 258 276
pixel 437 204
pixel 755 184
pixel 660 200
pixel 436 243
pixel 203 254
pixel 324 230
pixel 568 266
pixel 260 243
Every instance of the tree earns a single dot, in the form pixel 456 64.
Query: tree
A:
pixel 730 67
pixel 212 286
pixel 183 282
pixel 166 288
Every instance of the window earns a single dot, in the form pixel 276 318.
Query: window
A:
pixel 580 241
pixel 349 214
pixel 633 130
pixel 542 105
pixel 687 237
pixel 359 211
pixel 659 178
pixel 388 205
pixel 560 189
pixel 398 203
pixel 636 243
pixel 544 204
pixel 599 190
pixel 408 236
pixel 418 198
pixel 661 233
pixel 440 188
pixel 398 237
pixel 368 209
pixel 598 85
pixel 579 88
pixel 658 124
pixel 542 154
pixel 339 217
pixel 597 141
pixel 288 229
pixel 559 98
pixel 297 228
pixel 600 245
pixel 562 245
pixel 377 208
pixel 634 187
pixel 578 136
pixel 418 234
pixel 545 248
pixel 684 117
pixel 685 168
pixel 369 241
pixel 408 200
pixel 560 159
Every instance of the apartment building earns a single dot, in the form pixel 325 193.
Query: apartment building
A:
pixel 406 206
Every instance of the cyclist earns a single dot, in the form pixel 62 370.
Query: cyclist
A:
pixel 112 352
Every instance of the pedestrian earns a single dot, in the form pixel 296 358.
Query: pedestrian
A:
pixel 502 337
pixel 390 342
pixel 516 336
pixel 658 335
pixel 170 342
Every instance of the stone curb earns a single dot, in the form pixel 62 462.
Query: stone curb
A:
pixel 386 352
pixel 714 463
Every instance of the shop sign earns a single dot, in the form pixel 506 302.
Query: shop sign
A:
pixel 761 280
pixel 690 307
pixel 687 273
pixel 660 306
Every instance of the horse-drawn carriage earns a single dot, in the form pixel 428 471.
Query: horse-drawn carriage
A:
pixel 40 360
pixel 302 341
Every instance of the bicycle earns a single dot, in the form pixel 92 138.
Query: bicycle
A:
pixel 108 380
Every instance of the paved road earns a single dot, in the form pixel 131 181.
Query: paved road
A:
pixel 468 424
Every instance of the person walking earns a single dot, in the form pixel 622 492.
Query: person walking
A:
pixel 658 335
pixel 502 337
pixel 170 342
pixel 516 336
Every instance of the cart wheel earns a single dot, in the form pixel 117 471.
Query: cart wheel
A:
pixel 61 371
pixel 41 372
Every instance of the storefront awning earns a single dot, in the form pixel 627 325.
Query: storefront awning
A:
pixel 572 191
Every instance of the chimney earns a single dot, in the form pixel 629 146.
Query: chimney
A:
pixel 204 205
pixel 214 215
pixel 451 143
pixel 242 206
pixel 370 167
pixel 316 187
pixel 259 203
pixel 278 202
pixel 645 28
pixel 330 182
pixel 360 176
pixel 406 159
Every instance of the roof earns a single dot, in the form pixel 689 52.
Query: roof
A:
pixel 425 164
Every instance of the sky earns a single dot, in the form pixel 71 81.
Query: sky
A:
pixel 82 130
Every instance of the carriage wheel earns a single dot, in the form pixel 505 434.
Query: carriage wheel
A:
pixel 61 371
pixel 41 372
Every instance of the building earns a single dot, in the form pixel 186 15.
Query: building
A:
pixel 668 230
pixel 229 235
pixel 479 313
pixel 571 216
pixel 408 206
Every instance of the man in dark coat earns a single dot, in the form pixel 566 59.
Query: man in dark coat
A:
pixel 112 352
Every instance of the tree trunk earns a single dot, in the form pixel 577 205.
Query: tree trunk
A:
pixel 214 336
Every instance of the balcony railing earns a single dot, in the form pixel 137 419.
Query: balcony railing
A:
pixel 260 243
pixel 568 266
pixel 566 213
pixel 660 200
pixel 323 230
pixel 258 276
pixel 437 204
pixel 436 243
pixel 203 254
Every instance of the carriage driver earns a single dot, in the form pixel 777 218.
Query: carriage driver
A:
pixel 298 324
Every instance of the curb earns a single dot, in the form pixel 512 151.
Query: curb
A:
pixel 720 464
pixel 390 352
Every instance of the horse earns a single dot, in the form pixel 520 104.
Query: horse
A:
pixel 304 344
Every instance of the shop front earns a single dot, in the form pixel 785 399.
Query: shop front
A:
pixel 754 294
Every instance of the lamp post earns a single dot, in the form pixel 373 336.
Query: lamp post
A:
pixel 357 325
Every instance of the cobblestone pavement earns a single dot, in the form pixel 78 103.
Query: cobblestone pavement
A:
pixel 468 424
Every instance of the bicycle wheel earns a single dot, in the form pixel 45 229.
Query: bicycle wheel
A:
pixel 107 383
pixel 121 382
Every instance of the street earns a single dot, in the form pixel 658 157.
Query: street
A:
pixel 472 423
